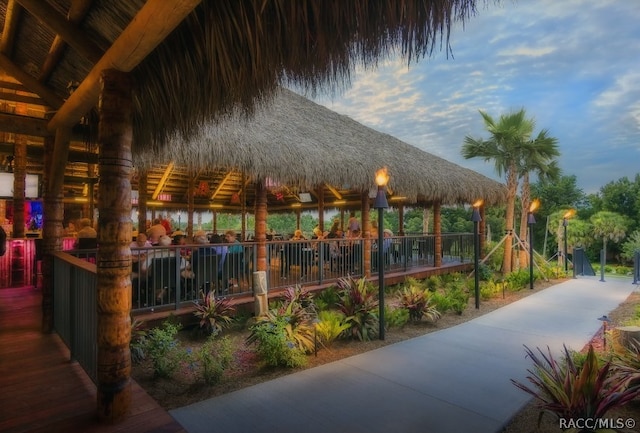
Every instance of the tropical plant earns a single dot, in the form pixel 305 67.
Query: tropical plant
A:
pixel 294 316
pixel 395 317
pixel 327 298
pixel 569 391
pixel 504 148
pixel 214 313
pixel 273 345
pixel 359 304
pixel 608 226
pixel 138 340
pixel 330 326
pixel 417 301
pixel 213 358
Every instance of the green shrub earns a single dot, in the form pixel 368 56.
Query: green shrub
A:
pixel 330 326
pixel 138 341
pixel 274 347
pixel 517 280
pixel 434 282
pixel 214 313
pixel 213 358
pixel 417 301
pixel 485 273
pixel 396 317
pixel 489 289
pixel 441 302
pixel 359 304
pixel 162 347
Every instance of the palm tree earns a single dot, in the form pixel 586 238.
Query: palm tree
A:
pixel 609 225
pixel 504 148
pixel 537 157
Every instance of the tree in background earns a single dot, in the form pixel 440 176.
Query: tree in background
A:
pixel 608 226
pixel 504 149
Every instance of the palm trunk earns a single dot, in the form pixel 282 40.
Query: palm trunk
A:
pixel 525 196
pixel 512 187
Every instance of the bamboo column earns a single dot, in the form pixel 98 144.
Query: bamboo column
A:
pixel 437 230
pixel 366 235
pixel 261 224
pixel 190 203
pixel 114 254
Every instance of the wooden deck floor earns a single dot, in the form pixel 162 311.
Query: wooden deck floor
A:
pixel 43 391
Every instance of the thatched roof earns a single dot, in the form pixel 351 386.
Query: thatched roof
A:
pixel 299 143
pixel 194 60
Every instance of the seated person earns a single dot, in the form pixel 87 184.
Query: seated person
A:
pixel 155 231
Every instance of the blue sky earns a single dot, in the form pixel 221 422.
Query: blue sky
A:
pixel 574 65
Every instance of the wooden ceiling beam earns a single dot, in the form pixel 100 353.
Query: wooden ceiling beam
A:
pixel 35 86
pixel 37 152
pixel 77 12
pixel 153 23
pixel 334 191
pixel 23 125
pixel 10 27
pixel 163 181
pixel 14 97
pixel 57 22
pixel 221 184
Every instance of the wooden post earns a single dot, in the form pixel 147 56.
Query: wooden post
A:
pixel 52 230
pixel 114 254
pixel 19 177
pixel 261 224
pixel 437 230
pixel 190 203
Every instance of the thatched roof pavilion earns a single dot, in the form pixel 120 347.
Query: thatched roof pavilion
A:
pixel 301 144
pixel 161 67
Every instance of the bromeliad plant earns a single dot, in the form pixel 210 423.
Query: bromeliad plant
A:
pixel 287 331
pixel 569 391
pixel 359 304
pixel 214 313
pixel 417 301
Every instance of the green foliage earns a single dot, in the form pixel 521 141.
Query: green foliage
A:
pixel 417 301
pixel 396 317
pixel 489 289
pixel 635 319
pixel 570 391
pixel 484 272
pixel 331 326
pixel 213 358
pixel 631 246
pixel 359 304
pixel 274 347
pixel 294 318
pixel 327 298
pixel 214 313
pixel 518 280
pixel 162 347
pixel 434 282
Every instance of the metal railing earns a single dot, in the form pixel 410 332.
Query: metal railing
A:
pixel 172 277
pixel 74 309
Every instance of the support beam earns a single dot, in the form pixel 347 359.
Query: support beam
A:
pixel 14 97
pixel 24 125
pixel 221 184
pixel 163 180
pixel 153 23
pixel 334 191
pixel 11 19
pixel 72 35
pixel 35 86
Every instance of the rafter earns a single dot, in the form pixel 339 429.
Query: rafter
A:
pixel 222 183
pixel 71 34
pixel 77 12
pixel 23 125
pixel 147 30
pixel 10 27
pixel 163 180
pixel 334 191
pixel 49 97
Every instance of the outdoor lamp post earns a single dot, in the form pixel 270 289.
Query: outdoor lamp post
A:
pixel 475 217
pixel 531 220
pixel 382 178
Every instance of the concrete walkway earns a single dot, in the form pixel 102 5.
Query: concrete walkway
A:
pixel 454 380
